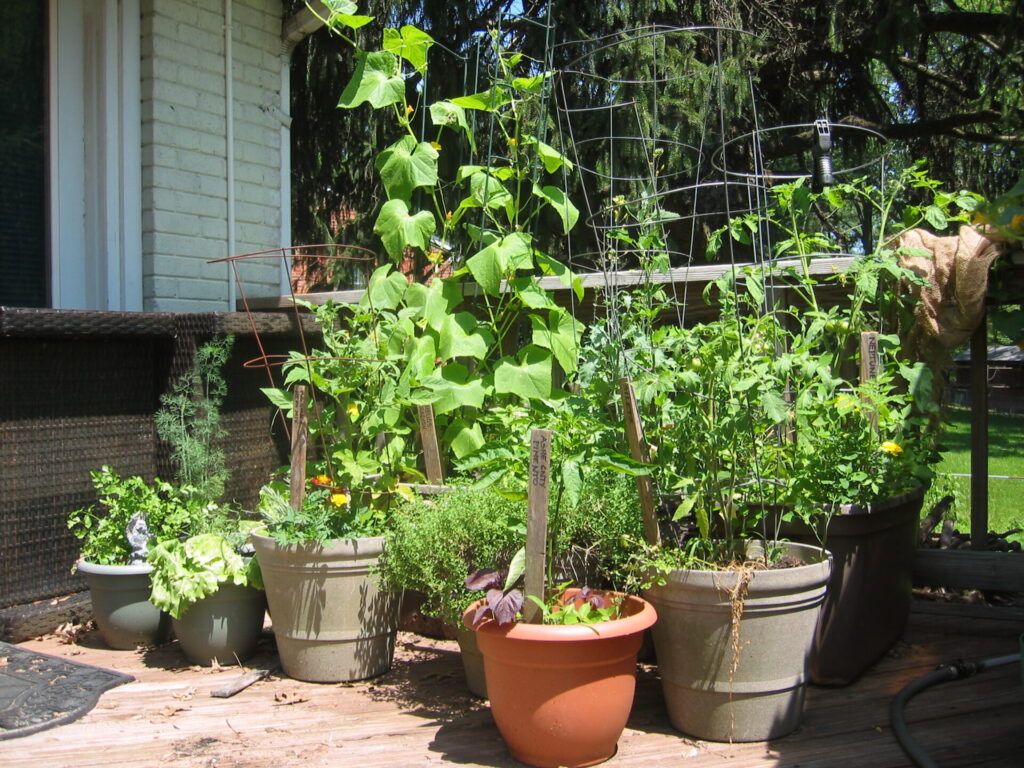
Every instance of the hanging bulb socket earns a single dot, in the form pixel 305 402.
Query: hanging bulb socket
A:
pixel 821 151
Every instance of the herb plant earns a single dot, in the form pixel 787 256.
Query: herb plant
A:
pixel 189 419
pixel 161 510
pixel 504 600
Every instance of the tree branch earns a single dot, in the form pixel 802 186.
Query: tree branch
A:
pixel 970 23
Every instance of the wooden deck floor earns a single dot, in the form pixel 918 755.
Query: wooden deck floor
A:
pixel 420 715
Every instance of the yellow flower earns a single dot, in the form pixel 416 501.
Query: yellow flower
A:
pixel 845 403
pixel 353 410
pixel 337 499
pixel 893 449
pixel 511 141
pixel 436 145
pixel 321 480
pixel 408 109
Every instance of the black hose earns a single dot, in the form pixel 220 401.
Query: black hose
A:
pixel 956 671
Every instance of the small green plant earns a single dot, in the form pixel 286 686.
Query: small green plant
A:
pixel 360 420
pixel 133 514
pixel 504 599
pixel 433 541
pixel 325 514
pixel 190 570
pixel 189 419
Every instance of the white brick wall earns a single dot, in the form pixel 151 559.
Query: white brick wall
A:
pixel 184 149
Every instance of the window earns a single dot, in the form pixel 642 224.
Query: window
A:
pixel 24 260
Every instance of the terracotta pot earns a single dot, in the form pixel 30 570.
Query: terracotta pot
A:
pixel 868 601
pixel 561 695
pixel 749 687
pixel 331 620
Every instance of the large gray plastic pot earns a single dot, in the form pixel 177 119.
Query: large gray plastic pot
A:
pixel 222 628
pixel 868 601
pixel 331 620
pixel 749 687
pixel 121 607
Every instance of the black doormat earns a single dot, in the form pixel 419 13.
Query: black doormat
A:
pixel 38 691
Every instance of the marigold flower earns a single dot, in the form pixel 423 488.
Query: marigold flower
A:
pixel 321 480
pixel 893 449
pixel 337 499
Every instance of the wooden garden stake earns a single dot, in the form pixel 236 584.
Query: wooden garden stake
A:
pixel 537 522
pixel 638 450
pixel 297 479
pixel 431 452
pixel 870 364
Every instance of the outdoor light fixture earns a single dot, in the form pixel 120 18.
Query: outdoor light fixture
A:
pixel 821 151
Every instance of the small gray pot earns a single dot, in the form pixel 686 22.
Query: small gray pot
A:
pixel 224 627
pixel 121 607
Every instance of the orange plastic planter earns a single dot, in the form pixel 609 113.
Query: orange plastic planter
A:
pixel 561 695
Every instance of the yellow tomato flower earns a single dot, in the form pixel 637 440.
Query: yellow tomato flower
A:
pixel 893 449
pixel 845 403
pixel 337 499
pixel 353 410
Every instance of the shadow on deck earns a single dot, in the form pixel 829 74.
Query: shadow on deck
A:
pixel 419 714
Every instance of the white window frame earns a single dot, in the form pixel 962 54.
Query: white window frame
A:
pixel 95 168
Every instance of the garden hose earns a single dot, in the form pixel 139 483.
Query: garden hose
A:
pixel 944 674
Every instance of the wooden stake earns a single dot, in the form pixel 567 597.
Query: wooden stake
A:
pixel 297 479
pixel 639 451
pixel 870 364
pixel 537 522
pixel 431 452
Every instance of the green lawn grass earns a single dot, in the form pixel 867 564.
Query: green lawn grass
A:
pixel 1006 457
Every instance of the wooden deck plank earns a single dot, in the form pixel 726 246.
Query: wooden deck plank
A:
pixel 420 714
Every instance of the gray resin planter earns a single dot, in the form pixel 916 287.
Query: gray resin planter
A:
pixel 749 687
pixel 224 627
pixel 331 621
pixel 121 607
